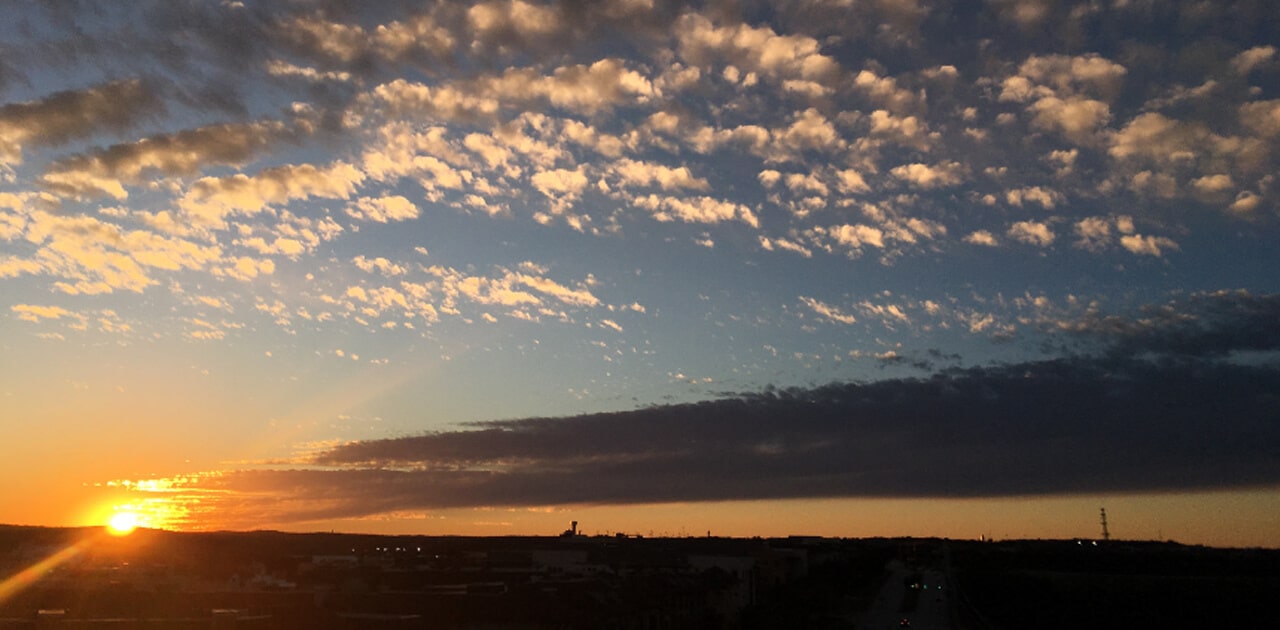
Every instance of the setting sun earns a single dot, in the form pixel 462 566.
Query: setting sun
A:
pixel 122 523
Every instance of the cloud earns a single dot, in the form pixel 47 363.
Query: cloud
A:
pixel 576 88
pixel 1027 14
pixel 1076 118
pixel 416 38
pixel 210 199
pixel 383 209
pixel 1045 197
pixel 947 173
pixel 1254 58
pixel 1094 233
pixel 1068 95
pixel 908 131
pixel 513 19
pixel 809 130
pixel 525 291
pixel 1147 245
pixel 1102 426
pixel 1031 233
pixel 981 237
pixel 753 49
pixel 1074 75
pixel 74 114
pixel 886 92
pixel 560 182
pixel 1245 202
pixel 827 311
pixel 1201 326
pixel 856 236
pixel 90 256
pixel 1262 117
pixel 1161 152
pixel 699 209
pixel 35 312
pixel 771 244
pixel 637 173
pixel 184 153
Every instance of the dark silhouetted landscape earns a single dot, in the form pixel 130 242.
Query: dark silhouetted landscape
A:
pixel 160 579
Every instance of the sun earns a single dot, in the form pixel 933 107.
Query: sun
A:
pixel 122 523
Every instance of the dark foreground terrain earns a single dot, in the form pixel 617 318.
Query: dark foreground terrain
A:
pixel 81 578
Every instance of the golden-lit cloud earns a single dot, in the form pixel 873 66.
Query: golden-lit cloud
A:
pixel 72 114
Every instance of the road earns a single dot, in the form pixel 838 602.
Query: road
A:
pixel 932 605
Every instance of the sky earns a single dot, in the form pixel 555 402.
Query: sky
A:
pixel 832 267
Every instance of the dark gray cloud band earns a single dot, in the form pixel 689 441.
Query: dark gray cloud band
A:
pixel 1161 420
pixel 1048 427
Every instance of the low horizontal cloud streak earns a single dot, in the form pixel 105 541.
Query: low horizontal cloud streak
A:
pixel 1162 419
pixel 1051 427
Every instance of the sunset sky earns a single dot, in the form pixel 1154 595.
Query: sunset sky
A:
pixel 836 267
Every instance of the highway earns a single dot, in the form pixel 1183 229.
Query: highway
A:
pixel 930 609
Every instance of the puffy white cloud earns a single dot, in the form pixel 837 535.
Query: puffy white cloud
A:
pixel 851 181
pixel 86 255
pixel 404 98
pixel 1147 245
pixel 1094 233
pixel 696 210
pixel 811 89
pixel 514 16
pixel 810 131
pixel 415 37
pixel 1067 95
pixel 1245 202
pixel 1254 58
pixel 383 209
pixel 1074 75
pixel 905 130
pixel 1031 233
pixel 857 236
pixel 438 174
pixel 247 268
pixel 1077 119
pixel 638 173
pixel 801 183
pixel 578 88
pixel 1213 184
pixel 1045 197
pixel 1158 138
pixel 1262 117
pixel 981 237
pixel 585 135
pixel 885 92
pixel 589 88
pixel 1168 157
pixel 1020 89
pixel 942 174
pixel 560 182
pixel 210 199
pixel 379 265
pixel 753 49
